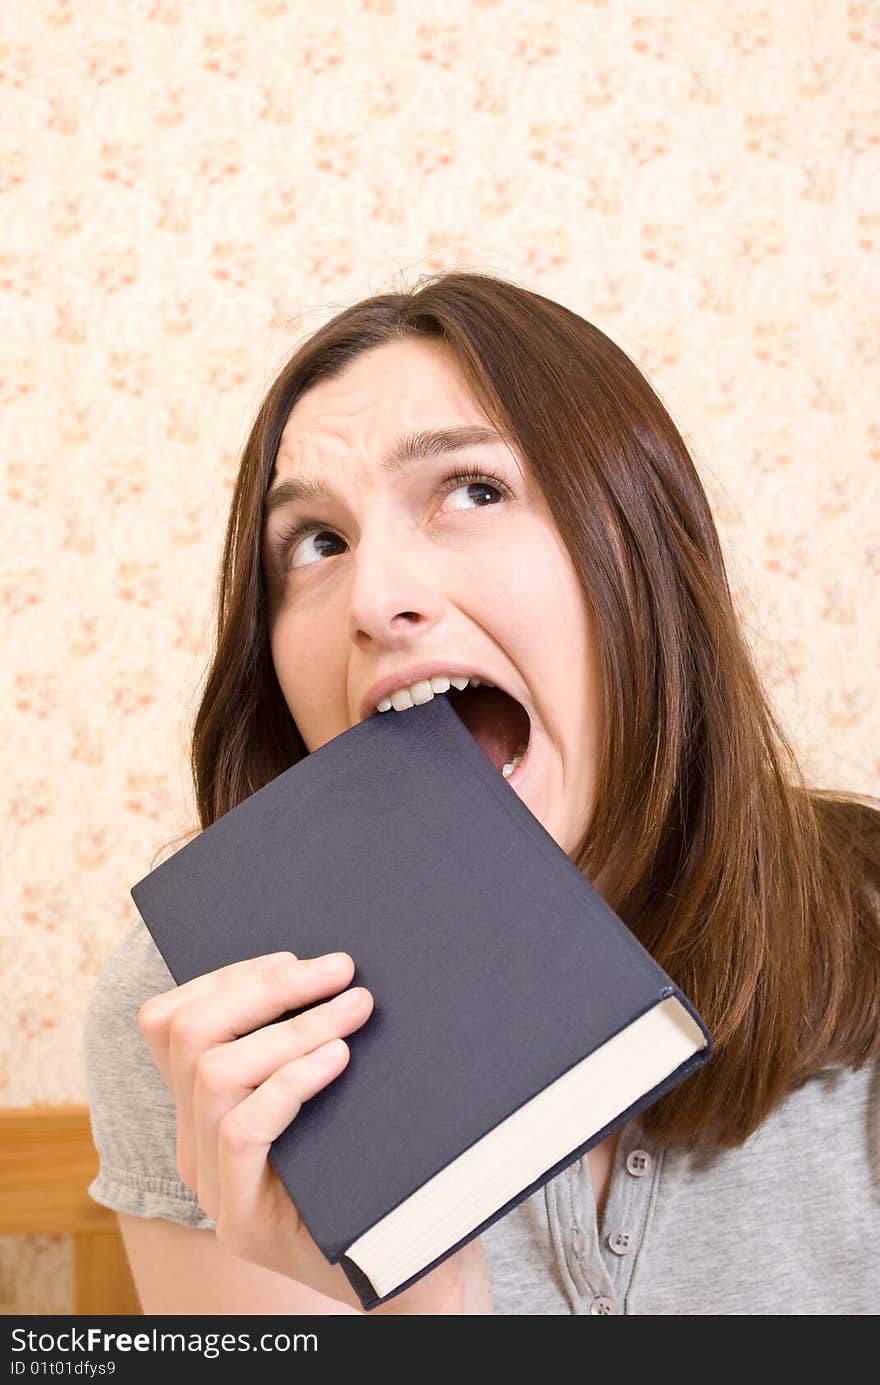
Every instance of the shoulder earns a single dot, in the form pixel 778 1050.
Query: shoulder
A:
pixel 786 1222
pixel 841 1102
pixel 821 1142
pixel 130 974
pixel 133 1116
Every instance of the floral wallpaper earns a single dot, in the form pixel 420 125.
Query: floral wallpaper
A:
pixel 188 188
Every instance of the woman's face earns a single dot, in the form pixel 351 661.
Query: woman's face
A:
pixel 401 571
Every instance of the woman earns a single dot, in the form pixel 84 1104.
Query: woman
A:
pixel 470 478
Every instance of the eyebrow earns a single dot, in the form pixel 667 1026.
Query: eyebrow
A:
pixel 411 447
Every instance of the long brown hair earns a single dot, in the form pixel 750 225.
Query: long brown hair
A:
pixel 758 895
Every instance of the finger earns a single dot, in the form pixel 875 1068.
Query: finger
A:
pixel 159 1008
pixel 229 1073
pixel 154 1014
pixel 246 1003
pixel 233 1001
pixel 249 1129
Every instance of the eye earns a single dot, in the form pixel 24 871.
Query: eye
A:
pixel 474 480
pixel 287 548
pixel 288 543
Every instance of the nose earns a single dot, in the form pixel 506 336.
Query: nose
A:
pixel 395 590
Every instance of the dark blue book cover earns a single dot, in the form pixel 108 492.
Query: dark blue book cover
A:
pixel 494 965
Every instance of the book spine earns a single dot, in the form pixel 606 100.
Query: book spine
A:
pixel 706 1053
pixel 362 1286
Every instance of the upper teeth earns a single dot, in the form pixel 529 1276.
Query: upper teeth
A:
pixel 425 689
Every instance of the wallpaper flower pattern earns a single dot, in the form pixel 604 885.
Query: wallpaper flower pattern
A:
pixel 187 189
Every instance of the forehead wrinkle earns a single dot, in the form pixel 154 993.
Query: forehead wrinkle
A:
pixel 406 449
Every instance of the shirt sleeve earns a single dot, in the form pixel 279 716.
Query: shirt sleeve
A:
pixel 132 1111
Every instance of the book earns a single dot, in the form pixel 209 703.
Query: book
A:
pixel 517 1020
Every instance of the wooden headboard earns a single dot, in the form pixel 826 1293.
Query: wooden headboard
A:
pixel 47 1161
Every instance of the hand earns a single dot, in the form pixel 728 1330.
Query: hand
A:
pixel 237 1086
pixel 238 1080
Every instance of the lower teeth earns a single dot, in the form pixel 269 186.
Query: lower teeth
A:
pixel 511 765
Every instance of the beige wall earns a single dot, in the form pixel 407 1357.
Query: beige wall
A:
pixel 188 188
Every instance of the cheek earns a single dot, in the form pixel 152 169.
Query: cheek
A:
pixel 286 652
pixel 557 649
pixel 550 608
pixel 310 673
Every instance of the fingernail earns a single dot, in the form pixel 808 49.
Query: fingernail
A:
pixel 348 999
pixel 332 962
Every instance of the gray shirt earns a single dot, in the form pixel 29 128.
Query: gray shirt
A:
pixel 789 1223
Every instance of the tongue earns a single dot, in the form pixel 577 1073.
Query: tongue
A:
pixel 498 723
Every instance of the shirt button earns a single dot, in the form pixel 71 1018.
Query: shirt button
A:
pixel 638 1162
pixel 619 1242
pixel 603 1306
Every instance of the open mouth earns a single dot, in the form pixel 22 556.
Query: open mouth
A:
pixel 498 723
